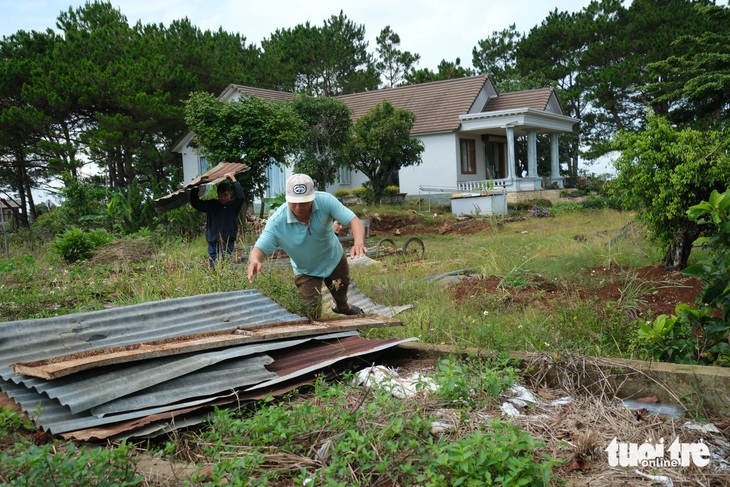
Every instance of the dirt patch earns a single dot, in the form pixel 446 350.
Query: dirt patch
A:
pixel 661 290
pixel 412 224
pixel 652 289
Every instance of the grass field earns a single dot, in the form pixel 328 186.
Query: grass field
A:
pixel 558 284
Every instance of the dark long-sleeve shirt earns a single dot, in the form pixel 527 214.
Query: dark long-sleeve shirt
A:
pixel 221 220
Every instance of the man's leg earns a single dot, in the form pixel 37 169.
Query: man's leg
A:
pixel 212 254
pixel 310 293
pixel 338 282
pixel 230 246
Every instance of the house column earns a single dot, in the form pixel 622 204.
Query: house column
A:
pixel 555 162
pixel 531 153
pixel 510 152
pixel 554 158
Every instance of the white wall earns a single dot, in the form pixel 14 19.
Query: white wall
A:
pixel 190 164
pixel 438 168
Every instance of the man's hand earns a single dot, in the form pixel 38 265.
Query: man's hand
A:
pixel 253 269
pixel 232 176
pixel 358 233
pixel 358 250
pixel 255 263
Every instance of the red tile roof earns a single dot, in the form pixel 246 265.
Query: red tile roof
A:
pixel 437 105
pixel 537 99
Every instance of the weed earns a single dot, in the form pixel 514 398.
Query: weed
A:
pixel 342 435
pixel 70 466
pixel 472 382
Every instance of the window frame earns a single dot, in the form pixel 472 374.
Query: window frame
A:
pixel 468 156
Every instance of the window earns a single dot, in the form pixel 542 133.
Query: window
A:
pixel 203 165
pixel 344 175
pixel 468 156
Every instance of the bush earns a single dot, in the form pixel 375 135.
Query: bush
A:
pixel 359 192
pixel 594 203
pixel 48 225
pixel 601 202
pixel 699 335
pixel 70 466
pixel 276 201
pixel 341 193
pixel 527 205
pixel 184 222
pixel 392 189
pixel 539 212
pixel 75 244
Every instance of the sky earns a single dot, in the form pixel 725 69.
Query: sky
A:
pixel 435 29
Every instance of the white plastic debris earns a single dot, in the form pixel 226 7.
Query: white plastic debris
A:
pixel 518 402
pixel 509 410
pixel 439 427
pixel 704 428
pixel 561 401
pixel 662 409
pixel 387 378
pixel 657 479
pixel 522 394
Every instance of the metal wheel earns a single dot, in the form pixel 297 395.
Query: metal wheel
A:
pixel 385 247
pixel 414 245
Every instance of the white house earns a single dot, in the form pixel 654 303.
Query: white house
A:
pixel 468 131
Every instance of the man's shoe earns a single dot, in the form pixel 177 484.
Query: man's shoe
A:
pixel 352 311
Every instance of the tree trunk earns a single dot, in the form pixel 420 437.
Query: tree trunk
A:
pixel 678 252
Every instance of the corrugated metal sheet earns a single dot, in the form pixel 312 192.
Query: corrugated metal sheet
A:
pixel 181 197
pixel 155 395
pixel 359 299
pixel 36 339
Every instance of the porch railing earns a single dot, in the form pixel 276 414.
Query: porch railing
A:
pixel 471 186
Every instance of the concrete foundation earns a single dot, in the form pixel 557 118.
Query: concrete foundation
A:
pixel 541 194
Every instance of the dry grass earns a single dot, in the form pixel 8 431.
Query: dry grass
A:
pixel 580 432
pixel 125 250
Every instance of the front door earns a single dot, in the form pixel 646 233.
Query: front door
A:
pixel 495 160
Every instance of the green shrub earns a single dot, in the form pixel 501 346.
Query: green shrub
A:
pixel 700 334
pixel 473 380
pixel 503 455
pixel 359 192
pixel 594 203
pixel 75 244
pixel 185 222
pixel 69 466
pixel 392 189
pixel 276 201
pixel 527 205
pixel 48 225
pixel 341 193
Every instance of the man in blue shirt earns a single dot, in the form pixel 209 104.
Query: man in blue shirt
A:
pixel 221 225
pixel 303 228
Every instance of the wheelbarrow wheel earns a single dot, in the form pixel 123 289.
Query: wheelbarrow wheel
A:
pixel 414 245
pixel 385 247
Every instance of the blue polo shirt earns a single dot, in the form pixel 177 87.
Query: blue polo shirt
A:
pixel 314 249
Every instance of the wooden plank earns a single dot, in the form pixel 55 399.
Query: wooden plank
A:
pixel 53 368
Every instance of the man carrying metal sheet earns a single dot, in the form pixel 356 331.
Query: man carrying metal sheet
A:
pixel 221 225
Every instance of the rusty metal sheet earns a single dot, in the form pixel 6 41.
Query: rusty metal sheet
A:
pixel 297 366
pixel 181 197
pixel 62 366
